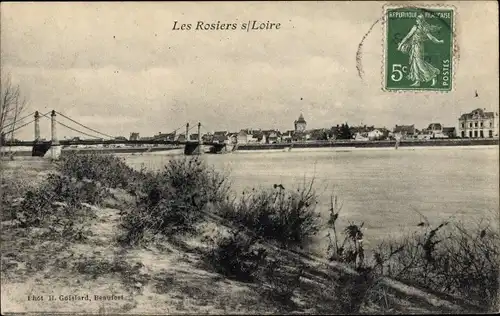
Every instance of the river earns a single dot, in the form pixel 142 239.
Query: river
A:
pixel 389 190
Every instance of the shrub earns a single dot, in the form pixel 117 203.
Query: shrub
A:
pixel 109 170
pixel 170 201
pixel 11 192
pixel 283 282
pixel 286 216
pixel 352 290
pixel 351 250
pixel 449 258
pixel 236 257
pixel 57 202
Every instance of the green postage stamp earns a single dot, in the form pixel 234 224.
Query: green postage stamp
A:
pixel 418 48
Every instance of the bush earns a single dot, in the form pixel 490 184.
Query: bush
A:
pixel 109 170
pixel 57 203
pixel 11 192
pixel 286 216
pixel 236 257
pixel 170 202
pixel 283 282
pixel 352 291
pixel 351 250
pixel 449 258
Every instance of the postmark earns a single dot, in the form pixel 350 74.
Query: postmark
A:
pixel 418 48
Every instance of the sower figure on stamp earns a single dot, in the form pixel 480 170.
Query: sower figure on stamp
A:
pixel 413 43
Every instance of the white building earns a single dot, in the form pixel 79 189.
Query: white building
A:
pixel 375 134
pixel 478 124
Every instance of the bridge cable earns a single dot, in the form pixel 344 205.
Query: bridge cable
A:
pixel 192 128
pixel 18 127
pixel 174 132
pixel 75 130
pixel 78 131
pixel 21 126
pixel 93 130
pixel 18 120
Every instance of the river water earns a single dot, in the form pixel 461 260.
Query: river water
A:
pixel 387 189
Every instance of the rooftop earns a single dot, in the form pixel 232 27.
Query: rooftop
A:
pixel 478 113
pixel 301 119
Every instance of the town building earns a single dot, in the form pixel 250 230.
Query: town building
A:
pixel 258 137
pixel 451 132
pixel 404 131
pixel 368 132
pixel 478 124
pixel 207 138
pixel 272 136
pixel 287 136
pixel 300 124
pixel 220 137
pixel 377 134
pixel 134 136
pixel 244 136
pixel 437 130
pixel 232 138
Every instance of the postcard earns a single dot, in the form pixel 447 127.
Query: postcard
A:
pixel 326 157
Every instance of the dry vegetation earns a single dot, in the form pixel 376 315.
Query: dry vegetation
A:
pixel 175 240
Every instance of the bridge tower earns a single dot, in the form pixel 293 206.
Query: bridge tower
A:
pixel 40 148
pixel 199 133
pixel 187 132
pixel 195 147
pixel 55 148
pixel 200 140
pixel 37 126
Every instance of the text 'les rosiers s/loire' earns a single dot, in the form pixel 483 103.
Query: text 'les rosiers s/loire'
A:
pixel 204 26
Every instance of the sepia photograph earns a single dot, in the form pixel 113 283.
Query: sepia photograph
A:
pixel 250 157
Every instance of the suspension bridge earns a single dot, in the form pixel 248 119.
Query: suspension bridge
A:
pixel 54 146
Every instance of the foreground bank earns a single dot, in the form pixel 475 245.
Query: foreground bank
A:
pixel 164 238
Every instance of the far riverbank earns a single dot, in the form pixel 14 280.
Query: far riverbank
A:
pixel 344 144
pixel 372 144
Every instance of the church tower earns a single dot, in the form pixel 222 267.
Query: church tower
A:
pixel 300 124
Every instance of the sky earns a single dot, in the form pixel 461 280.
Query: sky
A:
pixel 121 68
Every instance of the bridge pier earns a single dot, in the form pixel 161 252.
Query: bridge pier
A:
pixel 39 148
pixel 196 147
pixel 55 147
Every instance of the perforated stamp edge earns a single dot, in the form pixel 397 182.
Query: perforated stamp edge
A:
pixel 454 47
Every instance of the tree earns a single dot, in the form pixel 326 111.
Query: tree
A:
pixel 12 105
pixel 347 131
pixel 344 132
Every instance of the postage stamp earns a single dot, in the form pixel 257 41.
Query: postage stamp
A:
pixel 418 50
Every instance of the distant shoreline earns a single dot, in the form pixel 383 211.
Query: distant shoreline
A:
pixel 292 146
pixel 372 144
